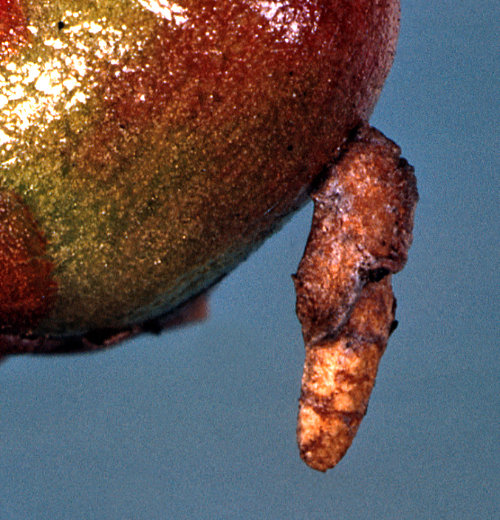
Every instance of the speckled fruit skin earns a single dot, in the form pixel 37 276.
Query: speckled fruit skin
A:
pixel 147 147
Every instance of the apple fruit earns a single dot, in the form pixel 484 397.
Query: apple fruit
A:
pixel 147 147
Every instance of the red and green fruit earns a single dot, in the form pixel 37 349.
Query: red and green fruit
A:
pixel 147 147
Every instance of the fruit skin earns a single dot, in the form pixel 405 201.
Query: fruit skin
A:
pixel 155 154
pixel 26 285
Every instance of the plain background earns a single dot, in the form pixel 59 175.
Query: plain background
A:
pixel 200 423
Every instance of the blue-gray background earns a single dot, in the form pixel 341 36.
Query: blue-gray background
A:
pixel 199 423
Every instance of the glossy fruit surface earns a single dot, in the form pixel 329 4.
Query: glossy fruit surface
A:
pixel 146 147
